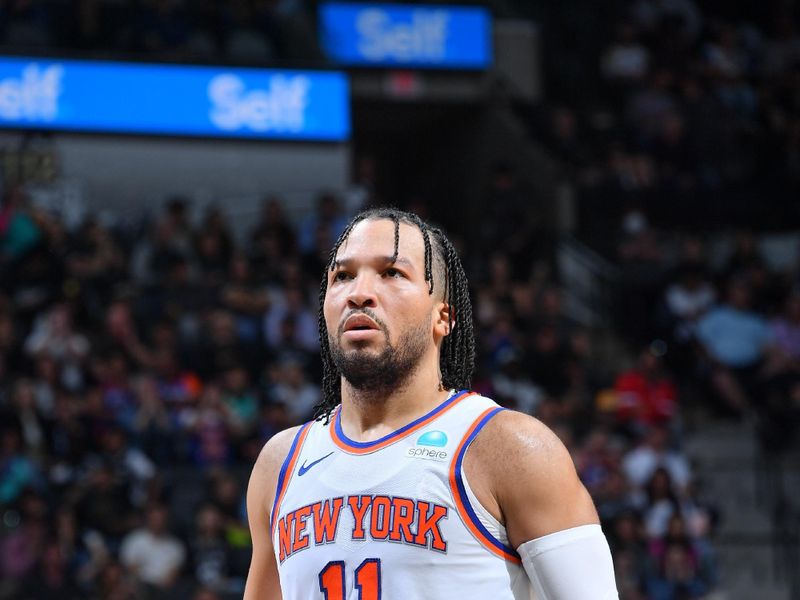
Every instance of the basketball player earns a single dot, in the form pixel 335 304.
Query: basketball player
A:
pixel 407 486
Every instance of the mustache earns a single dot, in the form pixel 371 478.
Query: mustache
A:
pixel 362 311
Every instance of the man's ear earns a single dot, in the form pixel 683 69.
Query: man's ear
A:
pixel 444 319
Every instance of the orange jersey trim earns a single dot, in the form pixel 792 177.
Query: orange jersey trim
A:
pixel 463 506
pixel 285 475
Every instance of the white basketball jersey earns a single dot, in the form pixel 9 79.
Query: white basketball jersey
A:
pixel 391 519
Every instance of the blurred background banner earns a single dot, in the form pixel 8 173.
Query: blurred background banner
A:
pixel 113 97
pixel 423 36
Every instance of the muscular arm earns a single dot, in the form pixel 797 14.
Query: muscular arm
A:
pixel 524 476
pixel 522 473
pixel 262 579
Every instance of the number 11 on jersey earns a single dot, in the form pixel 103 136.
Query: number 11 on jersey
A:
pixel 332 581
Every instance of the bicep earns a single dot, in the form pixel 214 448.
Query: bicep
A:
pixel 532 478
pixel 547 498
pixel 262 578
pixel 263 582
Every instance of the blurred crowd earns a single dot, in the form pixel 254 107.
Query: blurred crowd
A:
pixel 241 31
pixel 687 109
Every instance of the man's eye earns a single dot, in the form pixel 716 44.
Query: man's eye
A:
pixel 392 273
pixel 341 276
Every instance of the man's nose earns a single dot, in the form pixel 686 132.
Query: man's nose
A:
pixel 362 293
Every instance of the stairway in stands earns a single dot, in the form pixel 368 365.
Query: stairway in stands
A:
pixel 751 565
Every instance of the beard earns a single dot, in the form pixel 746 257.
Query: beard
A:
pixel 386 371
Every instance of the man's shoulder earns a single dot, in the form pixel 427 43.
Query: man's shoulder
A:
pixel 512 440
pixel 264 475
pixel 277 447
pixel 524 475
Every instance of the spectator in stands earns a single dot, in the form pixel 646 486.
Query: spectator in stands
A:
pixel 178 388
pixel 699 556
pixel 212 261
pixel 17 470
pixel 151 425
pixel 128 463
pixel 52 579
pixel 274 418
pixel 102 502
pixel 84 552
pixel 745 255
pixel 563 136
pixel 209 551
pixel 674 158
pixel 735 342
pixel 121 334
pixel 294 391
pixel 315 260
pixel 268 257
pixel 642 268
pixel 728 63
pixel 613 496
pixel 204 593
pixel 506 200
pixel 220 345
pixel 786 333
pixel 649 106
pixel 116 582
pixel 629 549
pixel 239 401
pixel 653 453
pixel 658 503
pixel 290 323
pixel 626 59
pixel 677 575
pixel 646 395
pixel 97 263
pixel 26 415
pixel 246 299
pixel 67 438
pixel 274 223
pixel 512 385
pixel 54 335
pixel 649 14
pixel 686 299
pixel 327 213
pixel 597 459
pixel 114 382
pixel 779 408
pixel 22 545
pixel 547 360
pixel 153 554
pixel 176 226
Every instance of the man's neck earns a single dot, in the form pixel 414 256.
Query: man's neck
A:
pixel 370 415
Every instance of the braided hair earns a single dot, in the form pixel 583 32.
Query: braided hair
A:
pixel 442 268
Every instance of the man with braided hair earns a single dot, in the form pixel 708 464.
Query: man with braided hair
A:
pixel 407 485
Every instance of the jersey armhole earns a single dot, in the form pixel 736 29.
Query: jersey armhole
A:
pixel 461 496
pixel 286 471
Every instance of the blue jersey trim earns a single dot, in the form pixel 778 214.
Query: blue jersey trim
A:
pixel 462 491
pixel 399 432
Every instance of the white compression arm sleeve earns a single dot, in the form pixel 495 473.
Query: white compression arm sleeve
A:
pixel 573 564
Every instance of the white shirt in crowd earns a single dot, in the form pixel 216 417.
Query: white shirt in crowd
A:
pixel 153 558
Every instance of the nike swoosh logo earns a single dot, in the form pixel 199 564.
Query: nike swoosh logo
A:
pixel 305 467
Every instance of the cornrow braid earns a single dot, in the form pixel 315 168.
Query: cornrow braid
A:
pixel 457 356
